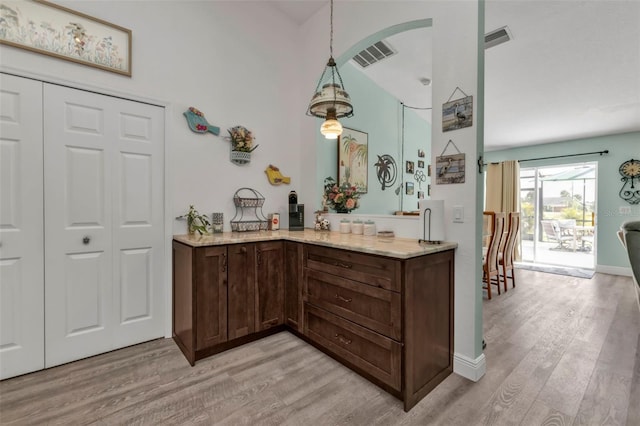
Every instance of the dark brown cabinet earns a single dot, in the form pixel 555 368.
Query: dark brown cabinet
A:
pixel 223 296
pixel 269 284
pixel 211 294
pixel 199 298
pixel 293 285
pixel 241 277
pixel 390 319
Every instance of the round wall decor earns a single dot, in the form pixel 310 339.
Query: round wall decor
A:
pixel 630 172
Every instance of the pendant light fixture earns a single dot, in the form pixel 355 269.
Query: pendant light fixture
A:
pixel 330 101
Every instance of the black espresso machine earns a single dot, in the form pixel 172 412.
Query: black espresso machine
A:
pixel 296 213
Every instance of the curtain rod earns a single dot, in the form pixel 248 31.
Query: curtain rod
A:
pixel 606 151
pixel 481 164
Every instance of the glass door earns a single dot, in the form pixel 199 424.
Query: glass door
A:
pixel 558 207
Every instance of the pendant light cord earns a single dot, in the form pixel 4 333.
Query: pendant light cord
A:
pixel 331 32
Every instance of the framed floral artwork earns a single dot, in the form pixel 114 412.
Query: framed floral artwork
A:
pixel 53 30
pixel 353 169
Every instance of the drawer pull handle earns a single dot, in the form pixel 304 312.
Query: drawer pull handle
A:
pixel 343 339
pixel 343 299
pixel 343 265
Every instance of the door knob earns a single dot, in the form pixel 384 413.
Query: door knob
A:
pixel 86 240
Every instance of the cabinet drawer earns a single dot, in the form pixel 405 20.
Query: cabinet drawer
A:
pixel 371 307
pixel 375 354
pixel 369 269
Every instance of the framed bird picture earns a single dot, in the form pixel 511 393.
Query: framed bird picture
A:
pixel 457 114
pixel 450 169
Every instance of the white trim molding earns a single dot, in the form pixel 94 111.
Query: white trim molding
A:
pixel 613 270
pixel 472 369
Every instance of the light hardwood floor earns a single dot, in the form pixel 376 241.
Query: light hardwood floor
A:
pixel 561 351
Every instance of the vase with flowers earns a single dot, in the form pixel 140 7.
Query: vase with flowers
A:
pixel 241 144
pixel 342 198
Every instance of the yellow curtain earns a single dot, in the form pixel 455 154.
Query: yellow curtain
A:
pixel 503 190
pixel 503 187
pixel 510 186
pixel 493 195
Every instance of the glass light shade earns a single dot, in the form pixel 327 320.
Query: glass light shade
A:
pixel 331 128
pixel 331 96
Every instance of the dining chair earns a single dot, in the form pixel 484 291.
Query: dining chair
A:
pixel 490 260
pixel 505 257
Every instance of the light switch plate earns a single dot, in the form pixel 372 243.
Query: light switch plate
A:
pixel 458 214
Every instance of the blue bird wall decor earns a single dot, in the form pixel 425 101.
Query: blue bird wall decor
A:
pixel 198 123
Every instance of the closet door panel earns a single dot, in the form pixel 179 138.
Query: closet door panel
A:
pixel 136 285
pixel 78 242
pixel 21 227
pixel 85 292
pixel 138 222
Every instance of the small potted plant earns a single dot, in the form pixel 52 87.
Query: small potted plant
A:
pixel 196 222
pixel 241 144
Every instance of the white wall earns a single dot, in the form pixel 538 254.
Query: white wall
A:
pixel 225 58
pixel 244 63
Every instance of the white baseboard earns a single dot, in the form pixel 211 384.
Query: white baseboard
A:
pixel 472 369
pixel 613 270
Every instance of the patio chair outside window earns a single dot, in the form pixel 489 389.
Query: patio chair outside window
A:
pixel 553 231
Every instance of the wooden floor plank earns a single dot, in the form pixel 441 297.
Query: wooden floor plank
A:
pixel 561 350
pixel 605 401
pixel 542 414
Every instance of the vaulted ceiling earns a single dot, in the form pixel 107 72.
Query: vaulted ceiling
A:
pixel 571 70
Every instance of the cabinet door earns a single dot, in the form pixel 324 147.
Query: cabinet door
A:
pixel 241 290
pixel 270 284
pixel 293 285
pixel 21 227
pixel 211 296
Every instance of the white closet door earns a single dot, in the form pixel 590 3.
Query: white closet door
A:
pixel 21 222
pixel 138 216
pixel 104 214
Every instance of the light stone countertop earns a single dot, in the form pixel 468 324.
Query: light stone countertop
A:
pixel 399 248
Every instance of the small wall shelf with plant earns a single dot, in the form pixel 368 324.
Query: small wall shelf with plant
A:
pixel 241 144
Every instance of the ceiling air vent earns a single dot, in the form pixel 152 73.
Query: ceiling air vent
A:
pixel 496 37
pixel 374 53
